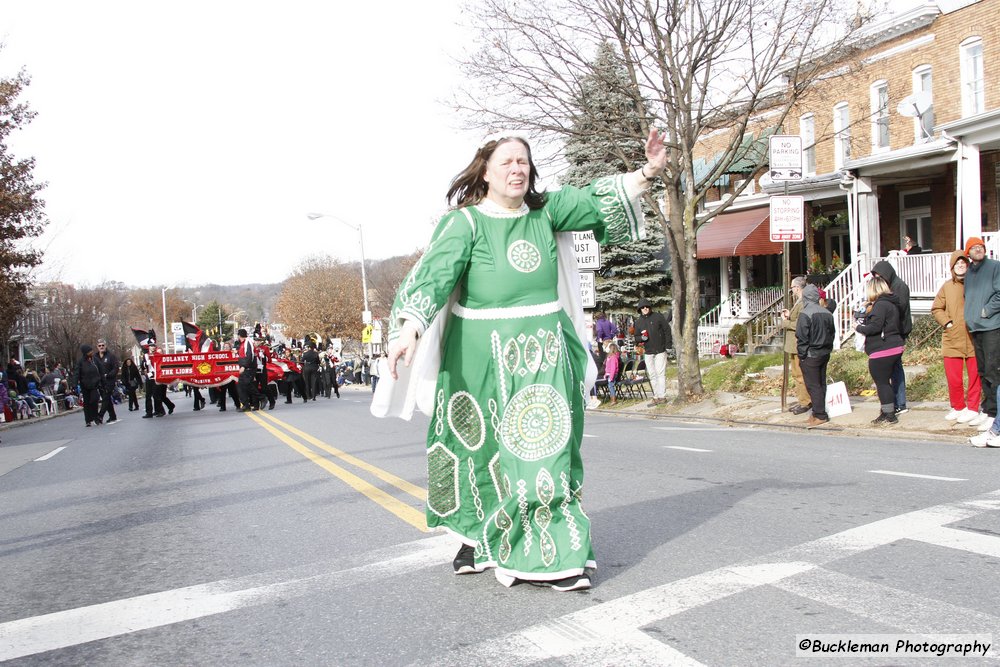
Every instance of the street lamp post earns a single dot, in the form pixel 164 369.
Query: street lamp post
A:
pixel 163 296
pixel 366 315
pixel 194 310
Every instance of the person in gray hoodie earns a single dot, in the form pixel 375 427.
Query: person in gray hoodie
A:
pixel 901 290
pixel 982 317
pixel 814 334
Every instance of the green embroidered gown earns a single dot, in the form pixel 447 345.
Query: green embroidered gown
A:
pixel 503 446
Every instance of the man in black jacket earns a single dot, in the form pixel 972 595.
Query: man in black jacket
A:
pixel 897 380
pixel 107 362
pixel 814 333
pixel 88 376
pixel 652 332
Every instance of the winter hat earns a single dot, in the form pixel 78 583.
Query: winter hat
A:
pixel 973 241
pixel 86 349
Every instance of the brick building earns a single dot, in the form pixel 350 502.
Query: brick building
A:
pixel 903 140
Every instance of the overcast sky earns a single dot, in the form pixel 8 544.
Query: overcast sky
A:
pixel 185 142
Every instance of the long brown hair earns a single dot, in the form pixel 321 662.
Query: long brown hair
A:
pixel 469 188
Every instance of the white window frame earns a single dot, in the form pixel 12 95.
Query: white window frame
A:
pixel 878 98
pixel 807 131
pixel 926 120
pixel 973 78
pixel 842 134
pixel 919 211
pixel 751 188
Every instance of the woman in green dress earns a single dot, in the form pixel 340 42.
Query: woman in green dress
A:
pixel 494 307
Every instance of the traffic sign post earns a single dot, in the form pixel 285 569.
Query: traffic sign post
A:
pixel 785 164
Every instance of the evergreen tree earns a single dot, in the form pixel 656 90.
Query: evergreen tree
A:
pixel 603 139
pixel 22 214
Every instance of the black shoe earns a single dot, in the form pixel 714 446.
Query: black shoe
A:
pixel 885 419
pixel 159 414
pixel 147 416
pixel 222 409
pixel 800 409
pixel 242 409
pixel 270 406
pixel 580 582
pixel 902 410
pixel 289 402
pixel 197 408
pixel 170 410
pixel 88 424
pixel 465 560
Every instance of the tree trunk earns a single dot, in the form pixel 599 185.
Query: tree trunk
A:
pixel 681 241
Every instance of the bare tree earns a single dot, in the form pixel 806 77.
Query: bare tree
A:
pixel 322 296
pixel 699 67
pixel 384 279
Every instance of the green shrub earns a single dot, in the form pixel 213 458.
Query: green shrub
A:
pixel 850 367
pixel 926 333
pixel 731 374
pixel 738 336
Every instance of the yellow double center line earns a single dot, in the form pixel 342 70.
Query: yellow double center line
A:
pixel 405 512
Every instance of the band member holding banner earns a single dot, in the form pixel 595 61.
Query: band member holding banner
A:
pixel 196 341
pixel 161 391
pixel 147 341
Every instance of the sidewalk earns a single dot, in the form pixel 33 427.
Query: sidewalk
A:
pixel 924 421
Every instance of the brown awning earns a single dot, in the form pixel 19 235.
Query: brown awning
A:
pixel 738 234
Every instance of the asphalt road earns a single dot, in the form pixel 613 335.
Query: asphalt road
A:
pixel 293 537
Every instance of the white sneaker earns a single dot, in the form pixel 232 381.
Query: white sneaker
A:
pixel 953 415
pixel 965 416
pixel 985 439
pixel 594 403
pixel 985 424
pixel 978 419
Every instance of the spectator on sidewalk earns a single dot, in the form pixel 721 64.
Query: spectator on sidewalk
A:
pixel 605 331
pixel 956 343
pixel 883 344
pixel 886 272
pixel 789 320
pixel 612 369
pixel 652 332
pixel 982 317
pixel 814 334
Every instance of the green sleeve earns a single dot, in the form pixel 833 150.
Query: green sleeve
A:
pixel 604 207
pixel 433 278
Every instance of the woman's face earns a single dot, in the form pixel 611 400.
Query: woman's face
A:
pixel 507 173
pixel 961 266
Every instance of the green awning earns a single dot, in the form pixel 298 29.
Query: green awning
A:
pixel 32 351
pixel 752 153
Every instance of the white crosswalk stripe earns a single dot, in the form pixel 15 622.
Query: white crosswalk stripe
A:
pixel 616 625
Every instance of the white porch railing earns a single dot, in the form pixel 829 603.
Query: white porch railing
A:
pixel 923 274
pixel 737 308
pixel 992 240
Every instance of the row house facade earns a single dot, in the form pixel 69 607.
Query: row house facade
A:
pixel 904 140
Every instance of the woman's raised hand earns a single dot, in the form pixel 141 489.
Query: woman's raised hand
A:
pixel 656 152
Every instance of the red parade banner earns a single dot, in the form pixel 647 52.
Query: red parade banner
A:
pixel 210 369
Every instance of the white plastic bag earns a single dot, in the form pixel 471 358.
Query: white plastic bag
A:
pixel 838 403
